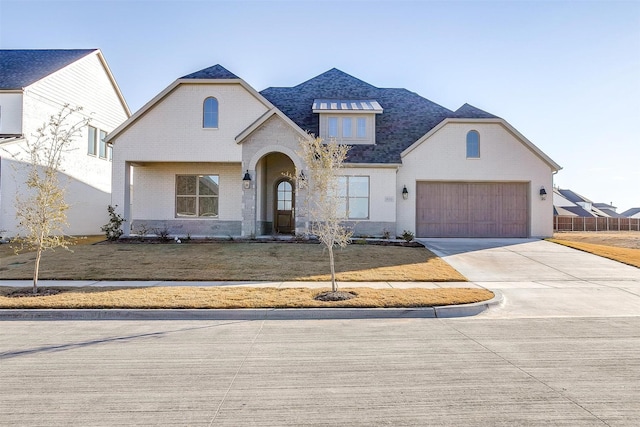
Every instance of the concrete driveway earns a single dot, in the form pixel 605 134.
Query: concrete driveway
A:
pixel 543 279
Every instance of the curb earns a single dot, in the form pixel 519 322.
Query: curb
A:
pixel 463 310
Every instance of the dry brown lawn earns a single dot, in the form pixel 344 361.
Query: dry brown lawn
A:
pixel 622 246
pixel 228 261
pixel 238 297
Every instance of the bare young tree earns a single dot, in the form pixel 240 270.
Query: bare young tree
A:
pixel 324 204
pixel 41 210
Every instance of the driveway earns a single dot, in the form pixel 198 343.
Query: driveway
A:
pixel 540 278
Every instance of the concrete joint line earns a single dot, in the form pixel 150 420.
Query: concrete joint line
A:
pixel 509 362
pixel 233 380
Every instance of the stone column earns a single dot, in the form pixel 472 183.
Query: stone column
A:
pixel 249 207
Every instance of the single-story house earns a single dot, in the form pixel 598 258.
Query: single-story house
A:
pixel 211 156
pixel 36 84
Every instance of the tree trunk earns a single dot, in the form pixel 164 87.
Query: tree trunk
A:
pixel 334 285
pixel 36 270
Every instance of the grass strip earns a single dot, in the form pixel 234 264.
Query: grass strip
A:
pixel 624 255
pixel 236 297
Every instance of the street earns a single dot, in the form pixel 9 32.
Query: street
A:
pixel 468 371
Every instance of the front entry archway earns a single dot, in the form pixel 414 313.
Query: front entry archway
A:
pixel 275 194
pixel 284 203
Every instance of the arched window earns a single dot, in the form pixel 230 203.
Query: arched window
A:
pixel 473 145
pixel 210 113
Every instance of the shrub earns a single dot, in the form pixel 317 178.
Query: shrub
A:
pixel 113 229
pixel 408 235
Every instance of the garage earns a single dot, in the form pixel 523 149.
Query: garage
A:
pixel 472 209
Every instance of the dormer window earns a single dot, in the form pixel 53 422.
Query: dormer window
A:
pixel 347 121
pixel 362 127
pixel 210 113
pixel 333 127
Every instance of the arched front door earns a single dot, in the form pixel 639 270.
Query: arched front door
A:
pixel 284 220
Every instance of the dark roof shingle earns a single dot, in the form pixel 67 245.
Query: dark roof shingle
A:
pixel 21 68
pixel 406 118
pixel 214 72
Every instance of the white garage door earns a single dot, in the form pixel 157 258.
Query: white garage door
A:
pixel 472 209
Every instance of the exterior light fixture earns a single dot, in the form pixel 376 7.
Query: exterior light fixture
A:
pixel 543 193
pixel 302 177
pixel 246 180
pixel 405 193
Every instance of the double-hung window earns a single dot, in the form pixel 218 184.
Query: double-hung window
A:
pixel 197 196
pixel 354 196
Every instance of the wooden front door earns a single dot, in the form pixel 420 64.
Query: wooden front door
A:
pixel 284 220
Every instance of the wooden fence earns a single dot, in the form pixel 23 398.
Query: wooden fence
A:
pixel 576 223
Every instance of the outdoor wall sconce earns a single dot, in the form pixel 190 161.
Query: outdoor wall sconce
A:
pixel 246 180
pixel 543 193
pixel 405 193
pixel 302 176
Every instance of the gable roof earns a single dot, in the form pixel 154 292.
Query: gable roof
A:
pixel 468 111
pixel 21 68
pixel 215 72
pixel 574 197
pixel 407 116
pixel 630 212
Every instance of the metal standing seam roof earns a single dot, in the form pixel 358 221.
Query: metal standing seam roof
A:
pixel 21 68
pixel 369 106
pixel 407 116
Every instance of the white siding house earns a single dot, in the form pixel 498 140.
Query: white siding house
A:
pixel 37 84
pixel 210 156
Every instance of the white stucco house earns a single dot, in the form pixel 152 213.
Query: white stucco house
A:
pixel 36 84
pixel 208 156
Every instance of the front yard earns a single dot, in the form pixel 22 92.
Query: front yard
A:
pixel 229 261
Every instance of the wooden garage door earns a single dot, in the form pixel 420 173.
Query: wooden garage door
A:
pixel 472 209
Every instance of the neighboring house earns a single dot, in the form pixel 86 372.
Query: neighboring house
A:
pixel 631 213
pixel 211 156
pixel 35 84
pixel 569 203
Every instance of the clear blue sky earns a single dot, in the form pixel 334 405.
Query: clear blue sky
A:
pixel 566 74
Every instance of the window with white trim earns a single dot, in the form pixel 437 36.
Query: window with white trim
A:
pixel 346 127
pixel 197 196
pixel 103 145
pixel 354 197
pixel 92 147
pixel 361 130
pixel 333 127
